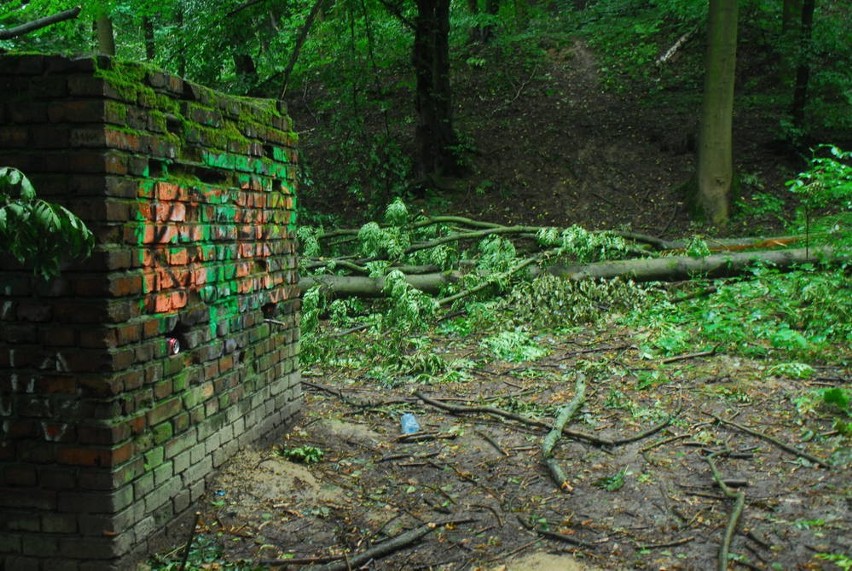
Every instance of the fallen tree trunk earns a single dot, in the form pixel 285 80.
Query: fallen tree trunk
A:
pixel 363 286
pixel 676 268
pixel 669 268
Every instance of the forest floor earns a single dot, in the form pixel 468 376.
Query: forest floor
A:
pixel 554 148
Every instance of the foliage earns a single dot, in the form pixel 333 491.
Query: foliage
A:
pixel 549 301
pixel 612 483
pixel 36 232
pixel 204 553
pixel 515 346
pixel 585 246
pixel 301 454
pixel 792 314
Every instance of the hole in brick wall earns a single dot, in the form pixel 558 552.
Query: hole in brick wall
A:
pixel 180 333
pixel 211 176
pixel 173 125
pixel 268 151
pixel 203 174
pixel 156 169
pixel 269 310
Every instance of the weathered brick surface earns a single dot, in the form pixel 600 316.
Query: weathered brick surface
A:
pixel 105 435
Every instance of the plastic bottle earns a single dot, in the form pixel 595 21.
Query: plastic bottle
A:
pixel 409 424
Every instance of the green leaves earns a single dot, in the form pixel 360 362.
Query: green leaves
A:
pixel 36 232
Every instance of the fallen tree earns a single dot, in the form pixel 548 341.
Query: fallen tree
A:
pixel 667 268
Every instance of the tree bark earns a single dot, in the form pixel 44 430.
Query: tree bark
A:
pixel 803 69
pixel 105 35
pixel 148 30
pixel 25 29
pixel 435 137
pixel 791 14
pixel 715 173
pixel 677 268
pixel 300 41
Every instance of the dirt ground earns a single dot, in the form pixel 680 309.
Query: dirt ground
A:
pixel 651 503
pixel 555 149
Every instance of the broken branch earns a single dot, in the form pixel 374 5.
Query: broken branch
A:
pixel 734 518
pixel 564 414
pixel 788 448
pixel 24 29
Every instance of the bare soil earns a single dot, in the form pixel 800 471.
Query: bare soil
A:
pixel 553 147
pixel 488 473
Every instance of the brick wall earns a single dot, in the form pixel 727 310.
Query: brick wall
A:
pixel 107 435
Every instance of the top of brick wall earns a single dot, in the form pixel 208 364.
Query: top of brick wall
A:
pixel 169 113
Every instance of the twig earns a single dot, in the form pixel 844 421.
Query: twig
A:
pixel 647 433
pixel 791 449
pixel 662 442
pixel 387 547
pixel 554 535
pixel 490 282
pixel 734 518
pixel 295 561
pixel 689 356
pixel 567 356
pixel 564 414
pixel 511 416
pixel 189 542
pixel 492 442
pixel 674 543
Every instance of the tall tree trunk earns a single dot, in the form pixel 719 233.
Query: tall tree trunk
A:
pixel 300 41
pixel 803 69
pixel 715 172
pixel 435 137
pixel 791 15
pixel 181 57
pixel 482 33
pixel 148 29
pixel 104 33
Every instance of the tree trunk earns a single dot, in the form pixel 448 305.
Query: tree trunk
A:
pixel 803 69
pixel 148 29
pixel 791 15
pixel 677 268
pixel 435 137
pixel 668 268
pixel 715 173
pixel 104 33
pixel 300 41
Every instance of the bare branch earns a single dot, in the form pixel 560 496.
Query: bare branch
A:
pixel 24 29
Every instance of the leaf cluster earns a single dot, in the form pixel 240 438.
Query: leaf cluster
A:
pixel 36 232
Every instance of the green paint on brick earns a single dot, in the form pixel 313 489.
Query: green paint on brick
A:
pixel 155 456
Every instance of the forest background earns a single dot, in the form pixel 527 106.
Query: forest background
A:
pixel 475 151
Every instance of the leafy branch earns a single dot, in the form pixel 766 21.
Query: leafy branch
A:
pixel 36 232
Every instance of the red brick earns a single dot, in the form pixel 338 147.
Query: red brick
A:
pixel 58 385
pixel 81 111
pixel 128 333
pixel 14 136
pixel 125 285
pixel 103 434
pixel 99 385
pixel 80 456
pixel 163 389
pixel 124 141
pixel 97 338
pixel 166 190
pixel 164 411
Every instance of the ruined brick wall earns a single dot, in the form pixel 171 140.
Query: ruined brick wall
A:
pixel 106 432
